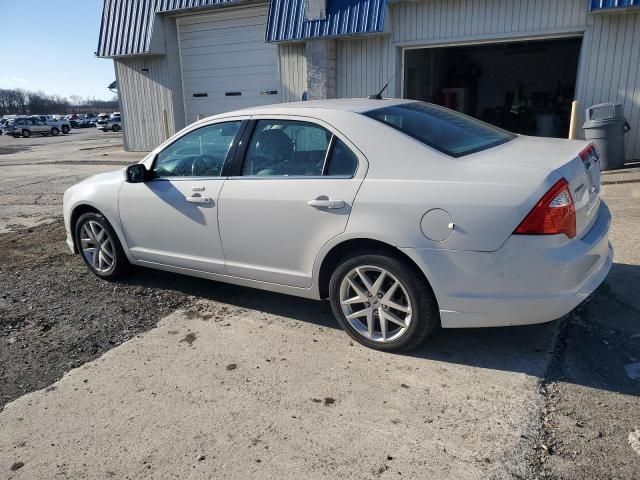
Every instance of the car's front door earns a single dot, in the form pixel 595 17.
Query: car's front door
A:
pixel 41 126
pixel 172 219
pixel 292 194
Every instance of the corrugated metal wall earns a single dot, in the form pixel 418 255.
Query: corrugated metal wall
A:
pixel 364 65
pixel 347 17
pixel 610 69
pixel 128 25
pixel 143 97
pixel 449 20
pixel 293 71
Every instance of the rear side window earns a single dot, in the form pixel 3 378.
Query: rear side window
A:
pixel 342 161
pixel 291 148
pixel 286 148
pixel 448 131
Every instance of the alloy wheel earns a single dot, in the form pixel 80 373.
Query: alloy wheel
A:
pixel 375 303
pixel 97 246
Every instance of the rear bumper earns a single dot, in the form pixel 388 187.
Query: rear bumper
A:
pixel 528 280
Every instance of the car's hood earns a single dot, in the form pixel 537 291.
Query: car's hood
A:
pixel 106 177
pixel 532 152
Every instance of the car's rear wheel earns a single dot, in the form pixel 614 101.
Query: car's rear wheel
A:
pixel 26 133
pixel 55 131
pixel 383 302
pixel 65 129
pixel 116 128
pixel 99 246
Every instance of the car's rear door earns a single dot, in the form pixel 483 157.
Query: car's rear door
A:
pixel 172 219
pixel 293 190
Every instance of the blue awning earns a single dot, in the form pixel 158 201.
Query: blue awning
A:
pixel 127 25
pixel 343 17
pixel 600 5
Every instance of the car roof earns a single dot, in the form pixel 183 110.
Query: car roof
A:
pixel 355 105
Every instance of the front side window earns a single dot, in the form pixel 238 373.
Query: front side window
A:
pixel 200 153
pixel 448 131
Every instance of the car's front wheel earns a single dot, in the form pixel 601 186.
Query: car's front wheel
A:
pixel 65 129
pixel 116 128
pixel 55 131
pixel 26 133
pixel 383 302
pixel 99 246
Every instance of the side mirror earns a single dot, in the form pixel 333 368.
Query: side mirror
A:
pixel 137 173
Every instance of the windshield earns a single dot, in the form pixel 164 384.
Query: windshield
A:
pixel 445 130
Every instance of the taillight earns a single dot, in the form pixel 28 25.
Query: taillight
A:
pixel 589 152
pixel 552 215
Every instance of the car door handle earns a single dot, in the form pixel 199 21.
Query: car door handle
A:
pixel 206 200
pixel 326 203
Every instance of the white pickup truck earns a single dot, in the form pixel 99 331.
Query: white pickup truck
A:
pixel 62 125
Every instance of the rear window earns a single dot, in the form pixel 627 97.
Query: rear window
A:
pixel 445 130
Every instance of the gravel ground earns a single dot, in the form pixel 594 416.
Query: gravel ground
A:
pixel 55 315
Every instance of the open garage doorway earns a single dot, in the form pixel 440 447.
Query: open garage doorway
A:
pixel 523 86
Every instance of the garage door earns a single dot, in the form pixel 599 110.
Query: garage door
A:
pixel 226 63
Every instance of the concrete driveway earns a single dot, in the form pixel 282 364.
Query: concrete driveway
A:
pixel 239 383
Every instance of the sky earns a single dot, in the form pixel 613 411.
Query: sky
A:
pixel 50 46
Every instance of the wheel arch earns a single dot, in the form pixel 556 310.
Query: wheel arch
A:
pixel 78 210
pixel 347 247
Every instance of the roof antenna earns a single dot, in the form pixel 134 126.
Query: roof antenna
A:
pixel 378 96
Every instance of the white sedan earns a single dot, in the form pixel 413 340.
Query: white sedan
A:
pixel 405 215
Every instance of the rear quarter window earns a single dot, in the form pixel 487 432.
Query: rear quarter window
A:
pixel 447 131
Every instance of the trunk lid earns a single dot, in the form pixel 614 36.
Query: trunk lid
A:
pixel 561 158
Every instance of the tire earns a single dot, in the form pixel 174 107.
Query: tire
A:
pixel 420 314
pixel 116 128
pixel 26 133
pixel 55 131
pixel 110 247
pixel 65 129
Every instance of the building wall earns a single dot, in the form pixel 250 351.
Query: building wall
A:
pixel 146 96
pixel 610 69
pixel 293 71
pixel 454 20
pixel 609 63
pixel 364 65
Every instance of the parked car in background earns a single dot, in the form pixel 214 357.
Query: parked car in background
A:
pixel 60 125
pixel 110 123
pixel 26 126
pixel 404 214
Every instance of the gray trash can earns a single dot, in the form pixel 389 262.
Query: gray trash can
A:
pixel 606 127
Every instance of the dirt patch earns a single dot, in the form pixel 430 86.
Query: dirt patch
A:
pixel 55 315
pixel 189 338
pixel 11 149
